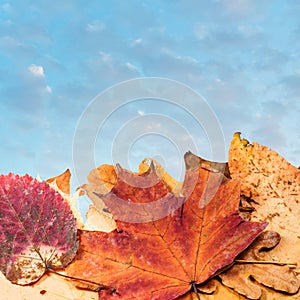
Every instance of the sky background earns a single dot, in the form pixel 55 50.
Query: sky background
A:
pixel 242 56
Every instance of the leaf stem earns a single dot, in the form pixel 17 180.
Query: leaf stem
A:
pixel 195 289
pixel 99 286
pixel 241 261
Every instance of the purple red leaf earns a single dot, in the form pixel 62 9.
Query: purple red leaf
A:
pixel 37 229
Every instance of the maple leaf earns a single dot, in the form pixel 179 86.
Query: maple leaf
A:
pixel 37 229
pixel 168 244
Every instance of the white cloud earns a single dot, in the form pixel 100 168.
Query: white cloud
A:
pixel 136 42
pixel 95 26
pixel 131 66
pixel 36 70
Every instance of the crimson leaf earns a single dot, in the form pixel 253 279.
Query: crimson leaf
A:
pixel 37 229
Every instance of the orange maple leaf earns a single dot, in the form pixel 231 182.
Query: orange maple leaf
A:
pixel 164 245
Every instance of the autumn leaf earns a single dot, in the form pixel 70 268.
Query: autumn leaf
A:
pixel 61 184
pixel 280 278
pixel 37 229
pixel 62 181
pixel 272 187
pixel 164 245
pixel 100 180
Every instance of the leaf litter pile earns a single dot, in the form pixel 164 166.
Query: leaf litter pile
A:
pixel 228 231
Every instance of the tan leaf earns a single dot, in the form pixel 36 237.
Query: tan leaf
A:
pixel 62 181
pixel 275 276
pixel 100 181
pixel 273 185
pixel 95 220
pixel 61 184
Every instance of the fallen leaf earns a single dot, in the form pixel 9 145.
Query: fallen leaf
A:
pixel 95 220
pixel 101 181
pixel 37 229
pixel 273 187
pixel 62 181
pixel 61 184
pixel 280 278
pixel 165 257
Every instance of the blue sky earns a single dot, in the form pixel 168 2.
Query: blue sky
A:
pixel 242 56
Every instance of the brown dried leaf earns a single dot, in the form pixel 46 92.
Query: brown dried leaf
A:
pixel 96 220
pixel 273 185
pixel 278 277
pixel 62 181
pixel 61 184
pixel 101 181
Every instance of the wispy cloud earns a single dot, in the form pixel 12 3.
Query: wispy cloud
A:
pixel 59 55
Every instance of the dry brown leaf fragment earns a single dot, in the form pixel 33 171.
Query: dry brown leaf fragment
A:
pixel 96 220
pixel 100 181
pixel 62 181
pixel 61 184
pixel 104 177
pixel 280 278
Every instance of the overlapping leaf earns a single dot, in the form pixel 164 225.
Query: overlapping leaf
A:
pixel 272 185
pixel 37 229
pixel 281 278
pixel 163 258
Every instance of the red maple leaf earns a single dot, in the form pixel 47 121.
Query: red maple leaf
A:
pixel 164 245
pixel 37 229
